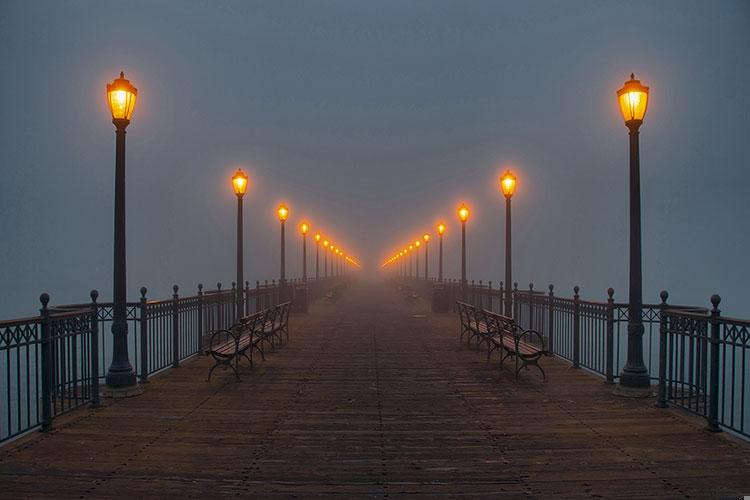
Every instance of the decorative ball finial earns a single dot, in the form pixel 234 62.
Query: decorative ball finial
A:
pixel 175 288
pixel 94 295
pixel 715 300
pixel 663 295
pixel 610 292
pixel 551 287
pixel 44 299
pixel 143 292
pixel 122 74
pixel 576 289
pixel 200 287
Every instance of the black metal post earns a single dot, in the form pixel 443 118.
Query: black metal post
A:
pixel 94 349
pixel 325 262
pixel 661 397
pixel 410 259
pixel 143 306
pixel 440 259
pixel 120 373
pixel 240 279
pixel 463 260
pixel 175 327
pixel 47 364
pixel 635 373
pixel 317 260
pixel 610 338
pixel 551 320
pixel 304 257
pixel 576 327
pixel 713 392
pixel 426 262
pixel 416 262
pixel 508 264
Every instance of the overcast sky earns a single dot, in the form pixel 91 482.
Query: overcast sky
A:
pixel 374 119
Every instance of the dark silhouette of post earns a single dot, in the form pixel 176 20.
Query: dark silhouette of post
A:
pixel 633 99
pixel 317 257
pixel 416 260
pixel 463 215
pixel 122 96
pixel 508 187
pixel 239 183
pixel 441 230
pixel 303 229
pixel 283 213
pixel 325 258
pixel 426 239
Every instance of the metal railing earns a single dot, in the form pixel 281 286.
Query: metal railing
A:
pixel 698 358
pixel 55 362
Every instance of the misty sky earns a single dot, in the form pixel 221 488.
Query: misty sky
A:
pixel 373 119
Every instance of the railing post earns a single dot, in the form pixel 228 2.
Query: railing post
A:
pixel 219 307
pixel 502 299
pixel 514 298
pixel 713 394
pixel 489 295
pixel 247 298
pixel 143 306
pixel 257 296
pixel 200 318
pixel 47 363
pixel 610 347
pixel 661 397
pixel 576 327
pixel 531 306
pixel 551 321
pixel 175 328
pixel 94 349
pixel 235 316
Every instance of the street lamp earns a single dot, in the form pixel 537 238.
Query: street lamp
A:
pixel 463 216
pixel 441 230
pixel 508 187
pixel 239 184
pixel 633 99
pixel 304 228
pixel 283 213
pixel 325 257
pixel 317 256
pixel 426 238
pixel 411 247
pixel 121 96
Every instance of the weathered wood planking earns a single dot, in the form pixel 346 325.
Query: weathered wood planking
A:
pixel 368 401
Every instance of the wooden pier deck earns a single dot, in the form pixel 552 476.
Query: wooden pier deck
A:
pixel 375 398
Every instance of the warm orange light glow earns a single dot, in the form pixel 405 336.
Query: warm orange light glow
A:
pixel 283 212
pixel 441 228
pixel 508 183
pixel 633 98
pixel 121 98
pixel 303 228
pixel 325 243
pixel 426 237
pixel 239 182
pixel 317 237
pixel 411 247
pixel 417 243
pixel 463 213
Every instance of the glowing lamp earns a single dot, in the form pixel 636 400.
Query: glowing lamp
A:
pixel 416 243
pixel 325 243
pixel 463 213
pixel 633 99
pixel 121 98
pixel 426 237
pixel 317 236
pixel 239 182
pixel 441 228
pixel 508 183
pixel 283 212
pixel 303 228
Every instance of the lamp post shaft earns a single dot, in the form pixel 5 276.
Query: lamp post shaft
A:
pixel 325 262
pixel 426 276
pixel 508 261
pixel 635 373
pixel 463 254
pixel 317 260
pixel 240 279
pixel 440 259
pixel 304 257
pixel 416 262
pixel 120 372
pixel 282 274
pixel 410 259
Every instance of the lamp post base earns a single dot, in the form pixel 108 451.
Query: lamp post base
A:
pixel 634 392
pixel 122 392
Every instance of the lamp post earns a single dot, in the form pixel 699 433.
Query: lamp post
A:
pixel 508 187
pixel 304 228
pixel 411 247
pixel 633 99
pixel 441 231
pixel 317 256
pixel 416 259
pixel 121 96
pixel 325 258
pixel 283 213
pixel 239 183
pixel 463 216
pixel 426 238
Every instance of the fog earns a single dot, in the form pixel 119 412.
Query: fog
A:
pixel 373 120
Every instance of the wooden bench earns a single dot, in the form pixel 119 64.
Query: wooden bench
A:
pixel 249 334
pixel 526 346
pixel 472 323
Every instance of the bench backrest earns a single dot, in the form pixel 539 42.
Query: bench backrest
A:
pixel 466 313
pixel 500 324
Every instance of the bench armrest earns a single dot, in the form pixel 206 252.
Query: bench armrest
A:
pixel 532 337
pixel 221 336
